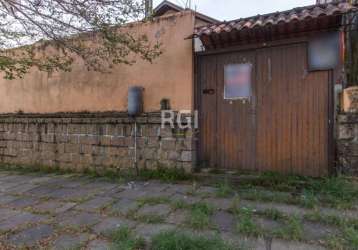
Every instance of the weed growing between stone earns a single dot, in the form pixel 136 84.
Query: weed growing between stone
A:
pixel 292 230
pixel 124 239
pixel 174 240
pixel 111 174
pixel 225 189
pixel 246 224
pixel 200 216
pixel 307 192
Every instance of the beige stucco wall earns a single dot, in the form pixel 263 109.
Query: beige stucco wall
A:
pixel 170 76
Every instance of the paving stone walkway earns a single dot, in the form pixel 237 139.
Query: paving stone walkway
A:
pixel 76 212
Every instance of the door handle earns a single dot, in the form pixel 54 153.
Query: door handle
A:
pixel 209 91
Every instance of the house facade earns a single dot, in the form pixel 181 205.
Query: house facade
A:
pixel 83 90
pixel 266 89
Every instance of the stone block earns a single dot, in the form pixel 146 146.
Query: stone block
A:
pixel 111 129
pixel 47 155
pixel 74 139
pixel 186 144
pixel 85 141
pixel 89 139
pixel 57 129
pixel 48 147
pixel 98 160
pixel 61 138
pixel 108 161
pixel 151 130
pixel 118 141
pixel 168 164
pixel 166 132
pixel 162 155
pixel 153 142
pixel 74 128
pixel 86 159
pixel 105 140
pixel 109 225
pixel 142 142
pixel 50 128
pixel 149 153
pixel 114 151
pixel 85 149
pixel 187 166
pixel 72 148
pixel 66 157
pixel 10 152
pixel 350 100
pixel 173 155
pixel 155 119
pixel 97 150
pixel 76 158
pixel 151 164
pixel 345 131
pixel 30 236
pixel 84 129
pixel 168 144
pixel 186 156
pixel 129 142
pixel 127 130
pixel 119 130
pixel 9 136
pixel 60 148
pixel 3 144
pixel 190 133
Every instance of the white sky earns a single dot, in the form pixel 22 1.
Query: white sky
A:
pixel 234 9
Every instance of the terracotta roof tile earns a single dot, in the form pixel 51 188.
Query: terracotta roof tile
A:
pixel 285 17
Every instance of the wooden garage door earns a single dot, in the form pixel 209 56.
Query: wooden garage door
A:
pixel 284 126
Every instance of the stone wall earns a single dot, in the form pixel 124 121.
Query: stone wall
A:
pixel 93 141
pixel 347 144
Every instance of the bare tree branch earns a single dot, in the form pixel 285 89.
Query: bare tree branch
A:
pixel 89 29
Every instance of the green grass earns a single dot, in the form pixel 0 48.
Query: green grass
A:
pixel 199 217
pixel 258 194
pixel 308 199
pixel 225 189
pixel 348 238
pixel 174 240
pixel 163 174
pixel 245 222
pixel 318 217
pixel 124 239
pixel 150 219
pixel 337 192
pixel 154 200
pixel 180 204
pixel 275 181
pixel 308 192
pixel 144 218
pixel 292 230
pixel 351 237
pixel 34 169
pixel 166 174
pixel 273 214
